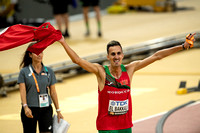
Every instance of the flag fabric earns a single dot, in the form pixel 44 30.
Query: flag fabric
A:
pixel 18 35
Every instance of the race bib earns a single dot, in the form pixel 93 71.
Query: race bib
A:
pixel 43 100
pixel 118 107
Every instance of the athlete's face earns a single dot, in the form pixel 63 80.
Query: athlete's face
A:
pixel 115 56
pixel 36 58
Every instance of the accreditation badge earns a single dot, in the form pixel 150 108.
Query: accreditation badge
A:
pixel 118 107
pixel 43 100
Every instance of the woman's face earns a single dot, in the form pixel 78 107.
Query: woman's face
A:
pixel 36 58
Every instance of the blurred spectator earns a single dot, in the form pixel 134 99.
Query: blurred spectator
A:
pixel 95 4
pixel 60 11
pixel 7 10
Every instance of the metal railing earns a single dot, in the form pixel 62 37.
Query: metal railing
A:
pixel 139 51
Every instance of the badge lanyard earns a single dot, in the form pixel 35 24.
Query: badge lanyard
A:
pixel 36 83
pixel 43 98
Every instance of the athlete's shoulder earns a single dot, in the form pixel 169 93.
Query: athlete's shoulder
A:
pixel 132 64
pixel 98 65
pixel 100 68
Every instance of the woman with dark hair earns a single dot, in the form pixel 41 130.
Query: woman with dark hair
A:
pixel 35 80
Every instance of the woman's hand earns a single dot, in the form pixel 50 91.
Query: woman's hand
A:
pixel 59 116
pixel 28 112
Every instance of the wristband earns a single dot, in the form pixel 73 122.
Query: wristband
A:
pixel 183 46
pixel 58 110
pixel 24 105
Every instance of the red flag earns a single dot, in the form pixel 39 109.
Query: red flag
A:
pixel 18 35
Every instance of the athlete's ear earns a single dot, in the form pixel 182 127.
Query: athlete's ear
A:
pixel 107 57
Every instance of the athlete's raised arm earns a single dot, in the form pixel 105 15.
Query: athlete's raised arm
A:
pixel 137 65
pixel 88 66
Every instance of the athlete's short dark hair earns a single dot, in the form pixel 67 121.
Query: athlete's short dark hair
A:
pixel 113 43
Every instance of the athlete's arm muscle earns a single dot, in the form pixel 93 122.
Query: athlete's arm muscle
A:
pixel 95 68
pixel 137 65
pixel 90 67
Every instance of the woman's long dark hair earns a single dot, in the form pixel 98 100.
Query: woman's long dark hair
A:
pixel 26 60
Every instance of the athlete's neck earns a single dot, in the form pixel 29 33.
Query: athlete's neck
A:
pixel 115 71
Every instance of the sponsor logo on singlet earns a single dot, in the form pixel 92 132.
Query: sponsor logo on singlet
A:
pixel 118 107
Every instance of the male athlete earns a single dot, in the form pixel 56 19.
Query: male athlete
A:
pixel 114 99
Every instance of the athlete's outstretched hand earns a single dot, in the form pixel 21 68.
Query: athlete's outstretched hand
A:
pixel 62 40
pixel 189 41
